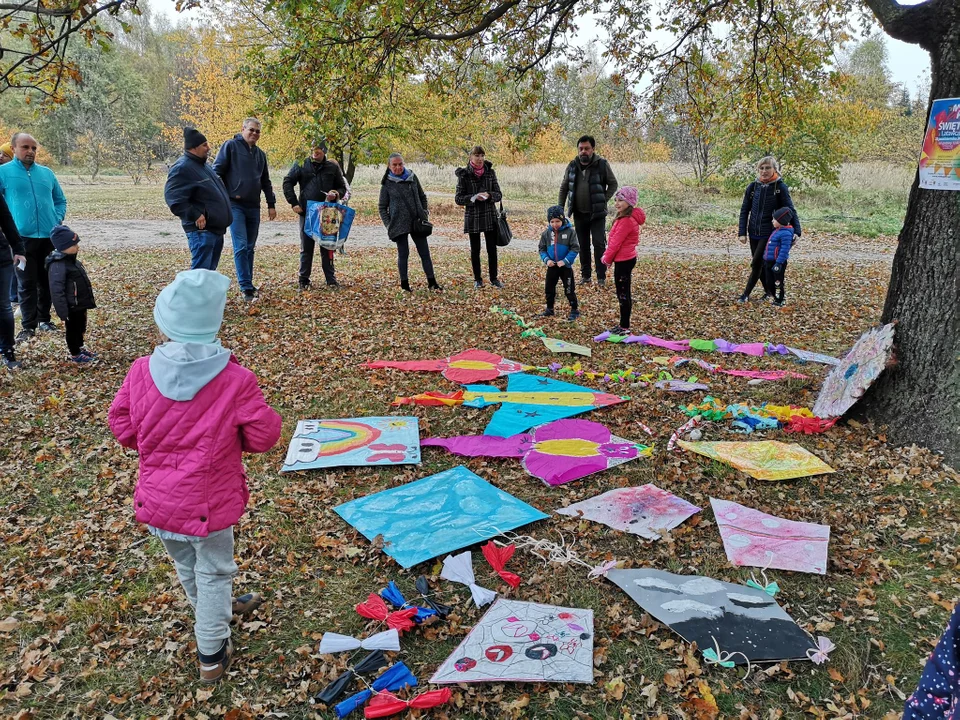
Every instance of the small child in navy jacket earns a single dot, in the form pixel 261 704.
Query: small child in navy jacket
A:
pixel 776 255
pixel 559 247
pixel 70 291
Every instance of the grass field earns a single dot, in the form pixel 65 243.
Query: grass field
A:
pixel 97 626
pixel 870 201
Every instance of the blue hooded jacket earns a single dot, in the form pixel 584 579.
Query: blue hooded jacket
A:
pixel 34 197
pixel 560 245
pixel 779 244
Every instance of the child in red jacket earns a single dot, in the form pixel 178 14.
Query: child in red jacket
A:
pixel 191 411
pixel 621 251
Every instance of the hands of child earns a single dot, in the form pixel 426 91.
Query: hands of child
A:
pixel 560 263
pixel 551 263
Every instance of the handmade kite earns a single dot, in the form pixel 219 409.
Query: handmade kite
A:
pixel 642 511
pixel 353 441
pixel 762 459
pixel 332 692
pixel 524 642
pixel 436 515
pixel 849 380
pixel 751 537
pixel 328 223
pixel 732 620
pixel 528 401
pixel 557 453
pixel 332 642
pixel 468 366
pixel 459 569
pixel 561 346
pixel 395 678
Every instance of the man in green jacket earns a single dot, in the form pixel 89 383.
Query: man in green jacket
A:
pixel 38 205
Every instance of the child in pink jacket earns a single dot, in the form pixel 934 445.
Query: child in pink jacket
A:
pixel 191 410
pixel 622 251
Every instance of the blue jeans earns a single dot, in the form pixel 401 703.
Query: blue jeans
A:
pixel 244 231
pixel 6 312
pixel 205 249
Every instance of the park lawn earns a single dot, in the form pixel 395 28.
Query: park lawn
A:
pixel 93 622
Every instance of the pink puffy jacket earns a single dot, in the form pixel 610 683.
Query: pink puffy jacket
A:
pixel 624 237
pixel 192 479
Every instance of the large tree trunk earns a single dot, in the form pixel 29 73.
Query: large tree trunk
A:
pixel 918 398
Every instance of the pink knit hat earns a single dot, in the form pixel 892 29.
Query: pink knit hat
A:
pixel 628 195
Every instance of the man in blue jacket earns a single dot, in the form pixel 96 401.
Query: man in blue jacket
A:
pixel 38 205
pixel 243 168
pixel 196 195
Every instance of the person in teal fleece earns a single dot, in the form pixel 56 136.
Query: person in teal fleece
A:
pixel 38 205
pixel 559 247
pixel 777 253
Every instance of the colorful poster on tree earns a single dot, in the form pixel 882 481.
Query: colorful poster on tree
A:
pixel 940 155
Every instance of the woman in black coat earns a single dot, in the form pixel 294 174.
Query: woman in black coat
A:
pixel 479 192
pixel 763 197
pixel 403 209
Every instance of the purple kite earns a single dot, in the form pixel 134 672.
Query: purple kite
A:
pixel 557 453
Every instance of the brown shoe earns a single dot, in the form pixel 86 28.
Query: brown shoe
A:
pixel 212 673
pixel 244 605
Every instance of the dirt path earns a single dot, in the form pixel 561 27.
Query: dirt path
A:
pixel 130 234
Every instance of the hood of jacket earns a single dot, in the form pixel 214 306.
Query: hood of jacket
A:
pixel 461 171
pixel 566 224
pixel 54 257
pixel 181 370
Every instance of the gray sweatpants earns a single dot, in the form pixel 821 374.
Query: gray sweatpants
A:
pixel 206 570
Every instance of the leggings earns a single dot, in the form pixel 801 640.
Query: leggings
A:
pixel 757 248
pixel 403 255
pixel 622 269
pixel 491 239
pixel 774 280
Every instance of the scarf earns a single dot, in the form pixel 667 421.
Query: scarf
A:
pixel 399 178
pixel 478 171
pixel 776 176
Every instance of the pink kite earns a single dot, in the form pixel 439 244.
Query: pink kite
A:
pixel 763 374
pixel 755 349
pixel 470 366
pixel 751 537
pixel 643 510
pixel 557 453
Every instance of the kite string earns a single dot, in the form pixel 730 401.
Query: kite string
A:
pixel 714 656
pixel 550 552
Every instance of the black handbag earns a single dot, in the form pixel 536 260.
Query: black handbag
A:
pixel 504 233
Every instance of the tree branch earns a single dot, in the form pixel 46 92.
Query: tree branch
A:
pixel 485 22
pixel 915 24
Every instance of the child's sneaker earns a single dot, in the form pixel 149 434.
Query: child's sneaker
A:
pixel 212 672
pixel 89 353
pixel 778 303
pixel 617 330
pixel 573 316
pixel 79 359
pixel 546 313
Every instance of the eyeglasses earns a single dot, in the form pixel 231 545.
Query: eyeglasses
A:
pixel 253 130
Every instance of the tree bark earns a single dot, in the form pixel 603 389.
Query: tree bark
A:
pixel 918 398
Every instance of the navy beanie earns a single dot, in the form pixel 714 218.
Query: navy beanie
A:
pixel 783 216
pixel 192 138
pixel 555 211
pixel 62 237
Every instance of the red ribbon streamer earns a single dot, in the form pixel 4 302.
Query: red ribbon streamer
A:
pixel 384 704
pixel 376 609
pixel 809 426
pixel 498 557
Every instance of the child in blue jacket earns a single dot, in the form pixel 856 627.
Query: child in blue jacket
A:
pixel 559 247
pixel 937 696
pixel 776 255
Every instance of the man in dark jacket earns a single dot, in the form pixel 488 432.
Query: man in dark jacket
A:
pixel 12 253
pixel 243 168
pixel 319 179
pixel 588 183
pixel 196 194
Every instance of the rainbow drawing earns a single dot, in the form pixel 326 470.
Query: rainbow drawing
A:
pixel 353 442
